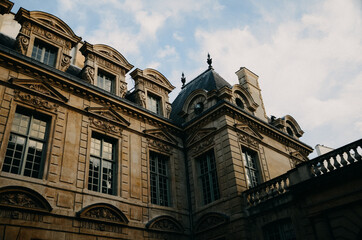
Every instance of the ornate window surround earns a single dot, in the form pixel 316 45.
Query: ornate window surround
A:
pixel 48 29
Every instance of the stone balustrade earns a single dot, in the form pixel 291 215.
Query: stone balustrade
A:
pixel 321 165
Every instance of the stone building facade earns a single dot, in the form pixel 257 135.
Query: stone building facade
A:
pixel 84 157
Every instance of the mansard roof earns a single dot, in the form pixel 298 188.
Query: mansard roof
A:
pixel 208 80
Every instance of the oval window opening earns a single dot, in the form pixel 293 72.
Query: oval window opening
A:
pixel 239 103
pixel 199 107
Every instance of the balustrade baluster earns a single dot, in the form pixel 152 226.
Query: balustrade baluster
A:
pixel 323 168
pixel 357 156
pixel 336 164
pixel 350 159
pixel 343 161
pixel 329 165
pixel 280 188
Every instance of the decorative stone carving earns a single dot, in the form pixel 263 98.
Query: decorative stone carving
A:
pixel 105 213
pixel 161 134
pixel 36 101
pixel 165 224
pixel 123 89
pixel 102 213
pixel 105 126
pixel 108 114
pixel 247 140
pixel 23 198
pixel 199 134
pixel 64 64
pixel 88 74
pixel 203 145
pixel 210 220
pixel 18 199
pixel 158 145
pixel 22 43
pixel 168 110
pixel 141 98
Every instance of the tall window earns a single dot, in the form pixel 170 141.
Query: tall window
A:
pixel 208 177
pixel 102 165
pixel 105 81
pixel 279 230
pixel 159 179
pixel 154 104
pixel 44 53
pixel 251 167
pixel 25 152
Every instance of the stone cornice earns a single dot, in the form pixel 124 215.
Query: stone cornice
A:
pixel 226 108
pixel 20 63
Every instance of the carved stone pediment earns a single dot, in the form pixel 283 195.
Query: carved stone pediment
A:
pixel 165 224
pixel 248 130
pixel 210 220
pixel 108 114
pixel 103 213
pixel 39 86
pixel 35 101
pixel 161 134
pixel 23 198
pixel 198 135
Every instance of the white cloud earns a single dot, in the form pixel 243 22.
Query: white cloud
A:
pixel 309 67
pixel 177 36
pixel 167 51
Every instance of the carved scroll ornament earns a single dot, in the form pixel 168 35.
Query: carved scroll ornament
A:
pixel 105 126
pixel 36 101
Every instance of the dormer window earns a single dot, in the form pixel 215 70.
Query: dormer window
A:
pixel 44 53
pixel 105 81
pixel 199 107
pixel 154 104
pixel 239 103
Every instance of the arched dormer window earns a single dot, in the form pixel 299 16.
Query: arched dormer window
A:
pixel 195 104
pixel 243 99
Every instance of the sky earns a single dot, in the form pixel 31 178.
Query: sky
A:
pixel 307 54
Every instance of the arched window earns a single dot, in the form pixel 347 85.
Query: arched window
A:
pixel 199 107
pixel 239 103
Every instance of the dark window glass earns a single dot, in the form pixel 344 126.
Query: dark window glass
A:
pixel 105 81
pixel 44 53
pixel 251 167
pixel 102 165
pixel 25 152
pixel 208 177
pixel 290 131
pixel 159 178
pixel 199 107
pixel 154 104
pixel 279 230
pixel 239 103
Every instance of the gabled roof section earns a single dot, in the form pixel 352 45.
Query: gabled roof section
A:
pixel 208 80
pixel 161 134
pixel 112 55
pixel 48 21
pixel 39 86
pixel 109 114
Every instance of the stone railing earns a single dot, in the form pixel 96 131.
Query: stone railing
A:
pixel 324 164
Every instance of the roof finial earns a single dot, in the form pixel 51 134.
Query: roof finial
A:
pixel 209 60
pixel 183 80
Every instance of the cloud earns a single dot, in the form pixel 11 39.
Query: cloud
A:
pixel 309 67
pixel 168 51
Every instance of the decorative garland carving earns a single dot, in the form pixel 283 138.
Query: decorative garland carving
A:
pixel 165 224
pixel 65 62
pixel 23 198
pixel 210 220
pixel 203 145
pixel 159 145
pixel 105 213
pixel 88 74
pixel 22 44
pixel 123 89
pixel 247 140
pixel 105 126
pixel 36 101
pixel 18 199
pixel 102 213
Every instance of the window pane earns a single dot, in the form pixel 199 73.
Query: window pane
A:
pixel 14 154
pixel 20 124
pixel 208 177
pixel 251 169
pixel 159 180
pixel 101 167
pixel 44 53
pixel 105 82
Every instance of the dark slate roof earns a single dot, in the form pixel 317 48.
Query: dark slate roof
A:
pixel 208 80
pixel 7 41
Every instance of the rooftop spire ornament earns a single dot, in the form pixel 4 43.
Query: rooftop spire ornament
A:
pixel 183 80
pixel 209 60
